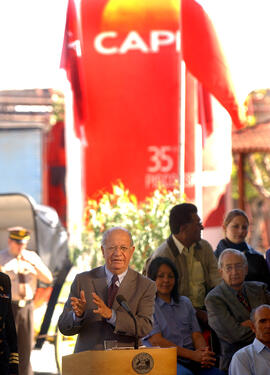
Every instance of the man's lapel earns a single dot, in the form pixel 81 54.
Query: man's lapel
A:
pixel 100 284
pixel 254 294
pixel 233 302
pixel 126 286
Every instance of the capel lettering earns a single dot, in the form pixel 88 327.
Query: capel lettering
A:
pixel 134 42
pixel 161 38
pixel 98 43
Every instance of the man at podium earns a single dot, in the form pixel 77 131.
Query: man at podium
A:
pixel 92 310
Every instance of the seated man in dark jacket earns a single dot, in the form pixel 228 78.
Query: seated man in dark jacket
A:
pixel 230 303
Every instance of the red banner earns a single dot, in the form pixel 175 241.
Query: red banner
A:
pixel 131 65
pixel 123 61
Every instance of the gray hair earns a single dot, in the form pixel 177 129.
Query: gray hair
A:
pixel 253 311
pixel 232 251
pixel 109 231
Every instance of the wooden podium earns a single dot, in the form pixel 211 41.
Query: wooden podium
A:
pixel 152 361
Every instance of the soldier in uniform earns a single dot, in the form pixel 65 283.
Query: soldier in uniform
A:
pixel 24 268
pixel 9 357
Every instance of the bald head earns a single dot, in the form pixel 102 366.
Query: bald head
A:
pixel 107 233
pixel 261 323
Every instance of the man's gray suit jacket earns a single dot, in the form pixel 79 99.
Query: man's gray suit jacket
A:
pixel 92 330
pixel 226 313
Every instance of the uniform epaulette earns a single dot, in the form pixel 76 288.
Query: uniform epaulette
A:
pixel 14 358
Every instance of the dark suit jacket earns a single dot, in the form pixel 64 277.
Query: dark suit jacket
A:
pixel 139 293
pixel 8 337
pixel 226 313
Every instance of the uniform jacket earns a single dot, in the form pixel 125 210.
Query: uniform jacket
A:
pixel 139 293
pixel 8 338
pixel 203 253
pixel 226 313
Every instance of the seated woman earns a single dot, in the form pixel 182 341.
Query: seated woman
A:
pixel 235 227
pixel 175 323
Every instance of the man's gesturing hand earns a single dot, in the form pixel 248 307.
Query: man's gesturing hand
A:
pixel 101 309
pixel 79 304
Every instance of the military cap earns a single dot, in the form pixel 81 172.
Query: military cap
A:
pixel 19 234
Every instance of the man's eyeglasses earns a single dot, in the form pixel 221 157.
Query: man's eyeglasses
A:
pixel 236 267
pixel 121 247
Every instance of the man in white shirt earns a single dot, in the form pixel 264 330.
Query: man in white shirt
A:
pixel 254 359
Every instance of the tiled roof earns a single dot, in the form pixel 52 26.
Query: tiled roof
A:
pixel 252 139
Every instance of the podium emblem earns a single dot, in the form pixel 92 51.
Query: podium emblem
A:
pixel 142 363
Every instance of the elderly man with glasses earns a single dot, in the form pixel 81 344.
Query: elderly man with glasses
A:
pixel 229 304
pixel 93 311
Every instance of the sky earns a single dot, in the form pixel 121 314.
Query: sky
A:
pixel 31 42
pixel 32 34
pixel 243 30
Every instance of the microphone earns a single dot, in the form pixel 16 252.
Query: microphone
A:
pixel 122 302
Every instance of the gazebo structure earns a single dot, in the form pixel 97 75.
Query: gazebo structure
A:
pixel 245 141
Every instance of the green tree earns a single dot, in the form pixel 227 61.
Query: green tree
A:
pixel 147 221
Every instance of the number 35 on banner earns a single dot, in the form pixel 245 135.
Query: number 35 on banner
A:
pixel 161 158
